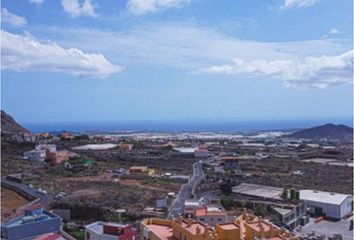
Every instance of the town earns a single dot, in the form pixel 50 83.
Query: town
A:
pixel 183 186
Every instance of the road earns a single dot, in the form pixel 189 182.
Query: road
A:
pixel 26 190
pixel 186 190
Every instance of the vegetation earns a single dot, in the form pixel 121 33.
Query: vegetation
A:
pixel 227 202
pixel 260 211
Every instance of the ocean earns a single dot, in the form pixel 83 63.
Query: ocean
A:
pixel 228 126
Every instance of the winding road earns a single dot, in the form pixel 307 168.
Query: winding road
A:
pixel 186 190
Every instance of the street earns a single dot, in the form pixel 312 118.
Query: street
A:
pixel 186 190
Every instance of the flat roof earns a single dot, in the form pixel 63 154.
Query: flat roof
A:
pixel 282 211
pixel 323 197
pixel 104 146
pixel 98 226
pixel 163 232
pixel 185 150
pixel 229 226
pixel 258 190
pixel 45 216
pixel 193 228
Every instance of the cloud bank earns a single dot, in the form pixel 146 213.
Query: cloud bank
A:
pixel 76 9
pixel 141 7
pixel 298 3
pixel 12 19
pixel 23 53
pixel 319 72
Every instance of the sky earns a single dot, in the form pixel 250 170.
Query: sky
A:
pixel 90 60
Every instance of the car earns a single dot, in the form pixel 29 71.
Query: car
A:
pixel 30 185
pixel 62 193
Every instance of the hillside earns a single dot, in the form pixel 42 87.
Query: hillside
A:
pixel 329 131
pixel 9 125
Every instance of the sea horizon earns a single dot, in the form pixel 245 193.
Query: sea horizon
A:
pixel 228 126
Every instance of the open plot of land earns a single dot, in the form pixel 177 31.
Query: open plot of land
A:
pixel 10 201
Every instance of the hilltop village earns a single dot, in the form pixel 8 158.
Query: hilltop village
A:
pixel 183 186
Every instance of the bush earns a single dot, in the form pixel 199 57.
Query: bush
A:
pixel 227 202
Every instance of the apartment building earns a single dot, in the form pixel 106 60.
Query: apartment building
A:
pixel 245 227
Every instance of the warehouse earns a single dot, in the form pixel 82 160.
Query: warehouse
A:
pixel 332 205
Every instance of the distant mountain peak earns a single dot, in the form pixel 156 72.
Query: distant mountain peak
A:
pixel 9 125
pixel 326 131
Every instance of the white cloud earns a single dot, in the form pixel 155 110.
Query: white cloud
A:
pixel 12 19
pixel 75 9
pixel 298 3
pixel 318 72
pixel 36 2
pixel 140 7
pixel 333 31
pixel 23 53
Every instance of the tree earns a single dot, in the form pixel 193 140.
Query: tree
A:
pixel 260 211
pixel 227 202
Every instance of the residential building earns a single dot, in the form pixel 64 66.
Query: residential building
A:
pixel 35 155
pixel 110 231
pixel 331 205
pixel 231 163
pixel 58 157
pixel 33 223
pixel 126 146
pixel 212 215
pixel 244 227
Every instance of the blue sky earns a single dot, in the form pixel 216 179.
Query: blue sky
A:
pixel 70 60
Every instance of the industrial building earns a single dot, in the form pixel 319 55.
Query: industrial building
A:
pixel 331 205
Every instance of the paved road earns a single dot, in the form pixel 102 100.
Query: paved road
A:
pixel 24 188
pixel 186 190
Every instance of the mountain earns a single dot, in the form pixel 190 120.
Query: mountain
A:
pixel 328 131
pixel 9 125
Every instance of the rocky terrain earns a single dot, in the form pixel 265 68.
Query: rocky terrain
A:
pixel 9 125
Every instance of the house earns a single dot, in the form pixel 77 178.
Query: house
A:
pixel 126 146
pixel 47 147
pixel 35 155
pixel 109 231
pixel 205 211
pixel 58 157
pixel 331 205
pixel 139 170
pixel 33 223
pixel 212 215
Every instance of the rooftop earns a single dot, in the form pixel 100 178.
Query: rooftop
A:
pixel 324 197
pixel 164 232
pixel 22 220
pixel 229 226
pixel 98 226
pixel 258 190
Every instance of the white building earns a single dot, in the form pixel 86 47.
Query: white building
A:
pixel 332 205
pixel 110 231
pixel 36 155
